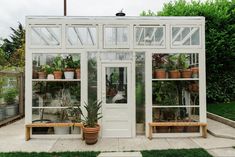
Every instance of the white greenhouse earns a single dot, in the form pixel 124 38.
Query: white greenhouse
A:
pixel 149 73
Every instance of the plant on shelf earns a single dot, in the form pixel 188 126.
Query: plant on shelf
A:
pixel 159 64
pixel 195 71
pixel 58 67
pixel 172 66
pixel 42 72
pixel 35 70
pixel 77 69
pixel 69 67
pixel 49 71
pixel 184 66
pixel 91 128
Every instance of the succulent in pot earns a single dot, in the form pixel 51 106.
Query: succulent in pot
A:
pixel 42 72
pixel 58 67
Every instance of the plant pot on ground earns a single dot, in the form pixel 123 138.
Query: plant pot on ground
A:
pixel 11 108
pixel 58 67
pixel 91 128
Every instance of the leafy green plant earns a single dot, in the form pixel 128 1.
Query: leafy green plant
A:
pixel 93 114
pixel 69 63
pixel 172 62
pixel 10 95
pixel 76 64
pixel 58 63
pixel 48 69
pixel 182 61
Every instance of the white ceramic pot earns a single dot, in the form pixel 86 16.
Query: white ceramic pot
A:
pixel 11 110
pixel 69 75
pixel 75 130
pixel 61 130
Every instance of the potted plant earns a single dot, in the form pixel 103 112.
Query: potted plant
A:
pixel 11 106
pixel 2 105
pixel 195 71
pixel 172 67
pixel 91 128
pixel 77 70
pixel 58 67
pixel 49 71
pixel 42 72
pixel 159 62
pixel 35 74
pixel 74 115
pixel 184 66
pixel 62 113
pixel 69 67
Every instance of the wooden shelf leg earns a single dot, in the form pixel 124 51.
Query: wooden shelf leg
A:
pixel 27 133
pixel 150 132
pixel 204 131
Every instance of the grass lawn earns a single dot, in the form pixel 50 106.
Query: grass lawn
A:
pixel 226 110
pixel 59 154
pixel 198 152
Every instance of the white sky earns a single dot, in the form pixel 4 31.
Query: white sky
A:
pixel 14 11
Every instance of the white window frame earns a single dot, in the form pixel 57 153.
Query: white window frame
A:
pixel 186 46
pixel 149 46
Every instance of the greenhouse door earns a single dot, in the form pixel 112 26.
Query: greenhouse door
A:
pixel 116 100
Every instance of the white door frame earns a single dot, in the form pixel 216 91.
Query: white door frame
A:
pixel 131 89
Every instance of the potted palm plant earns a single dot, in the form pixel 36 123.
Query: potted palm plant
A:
pixel 91 128
pixel 58 67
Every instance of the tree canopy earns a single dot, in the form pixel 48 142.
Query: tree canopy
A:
pixel 220 42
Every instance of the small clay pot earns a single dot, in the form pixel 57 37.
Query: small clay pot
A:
pixel 195 72
pixel 58 74
pixel 78 73
pixel 42 75
pixel 91 134
pixel 187 73
pixel 174 74
pixel 160 73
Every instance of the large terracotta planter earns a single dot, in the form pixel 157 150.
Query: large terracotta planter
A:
pixel 42 75
pixel 160 73
pixel 174 74
pixel 58 74
pixel 187 73
pixel 91 134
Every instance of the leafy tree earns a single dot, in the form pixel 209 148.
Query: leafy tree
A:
pixel 14 48
pixel 220 42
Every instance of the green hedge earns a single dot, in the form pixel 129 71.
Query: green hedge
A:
pixel 220 42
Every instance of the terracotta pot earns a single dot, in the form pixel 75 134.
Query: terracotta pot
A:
pixel 58 74
pixel 193 87
pixel 78 73
pixel 160 73
pixel 187 73
pixel 42 75
pixel 174 74
pixel 35 74
pixel 91 134
pixel 68 69
pixel 177 129
pixel 195 72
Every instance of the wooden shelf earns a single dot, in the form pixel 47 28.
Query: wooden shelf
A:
pixel 176 79
pixel 55 80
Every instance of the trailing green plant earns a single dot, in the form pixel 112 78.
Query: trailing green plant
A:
pixel 10 95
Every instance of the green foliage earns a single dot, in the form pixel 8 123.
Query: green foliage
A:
pixel 58 63
pixel 69 63
pixel 14 47
pixel 93 114
pixel 220 42
pixel 9 95
pixel 53 154
pixel 197 152
pixel 226 110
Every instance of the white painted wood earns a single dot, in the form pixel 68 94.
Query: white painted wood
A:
pixel 117 117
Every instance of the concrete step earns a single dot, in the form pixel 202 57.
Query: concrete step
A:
pixel 120 154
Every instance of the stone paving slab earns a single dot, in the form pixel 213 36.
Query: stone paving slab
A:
pixel 222 152
pixel 220 130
